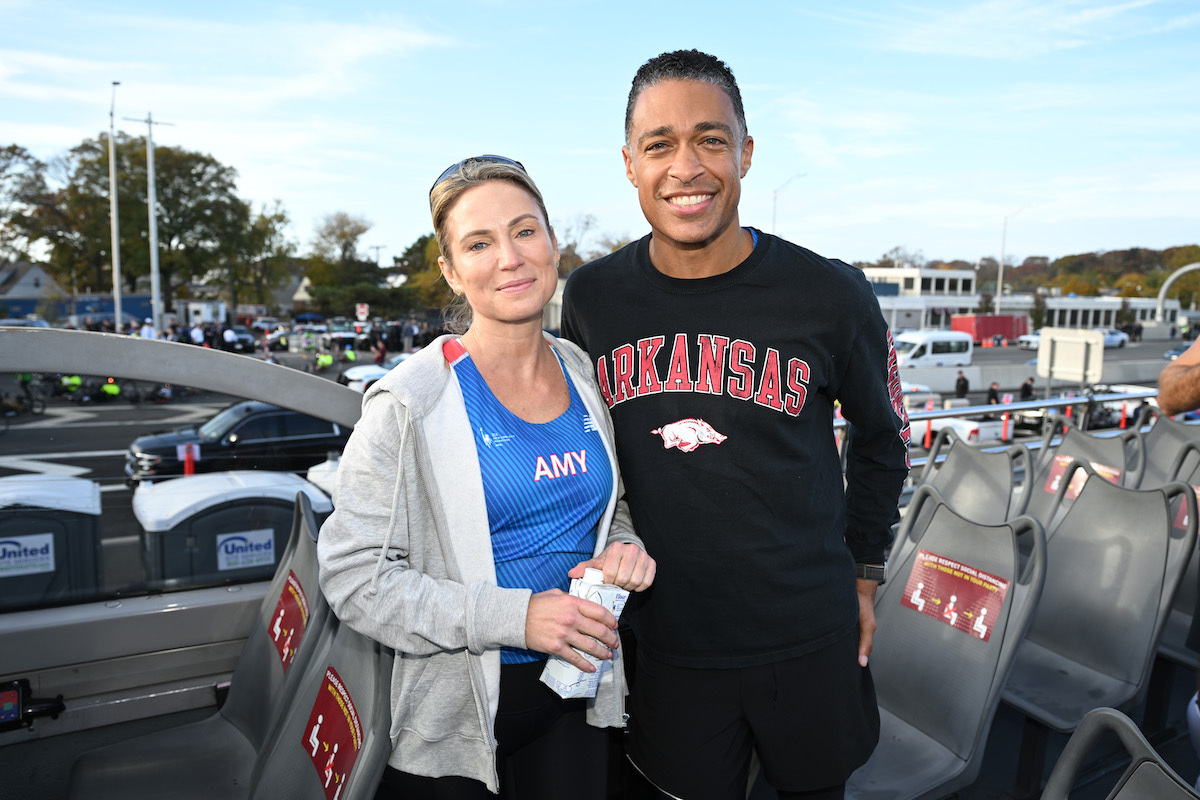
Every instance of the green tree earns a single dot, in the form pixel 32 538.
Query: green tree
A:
pixel 22 179
pixel 197 209
pixel 267 252
pixel 424 275
pixel 1037 314
pixel 335 252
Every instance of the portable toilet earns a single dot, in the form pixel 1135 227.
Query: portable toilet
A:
pixel 219 527
pixel 49 540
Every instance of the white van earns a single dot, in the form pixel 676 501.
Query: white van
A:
pixel 938 348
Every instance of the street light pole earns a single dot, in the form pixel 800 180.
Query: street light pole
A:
pixel 152 203
pixel 775 197
pixel 112 204
pixel 1000 272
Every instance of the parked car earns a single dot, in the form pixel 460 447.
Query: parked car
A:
pixel 1175 352
pixel 246 435
pixel 277 339
pixel 340 334
pixel 1030 341
pixel 361 377
pixel 23 322
pixel 245 339
pixel 1114 337
pixel 264 324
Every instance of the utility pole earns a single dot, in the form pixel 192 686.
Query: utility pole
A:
pixel 112 209
pixel 377 248
pixel 1000 273
pixel 775 197
pixel 152 202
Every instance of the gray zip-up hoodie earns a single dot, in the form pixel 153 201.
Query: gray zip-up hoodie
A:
pixel 406 559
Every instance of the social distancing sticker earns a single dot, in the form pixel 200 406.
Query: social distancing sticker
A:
pixel 289 620
pixel 333 735
pixel 1181 514
pixel 955 594
pixel 1059 468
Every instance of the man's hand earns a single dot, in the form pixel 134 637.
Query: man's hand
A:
pixel 624 564
pixel 866 619
pixel 559 624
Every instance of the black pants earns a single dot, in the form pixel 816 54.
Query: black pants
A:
pixel 545 750
pixel 812 720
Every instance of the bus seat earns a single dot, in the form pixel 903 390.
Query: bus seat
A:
pixel 1122 455
pixel 1147 777
pixel 1115 561
pixel 1172 452
pixel 940 660
pixel 1173 645
pixel 215 757
pixel 335 739
pixel 979 485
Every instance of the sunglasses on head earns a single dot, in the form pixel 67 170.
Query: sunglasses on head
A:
pixel 456 167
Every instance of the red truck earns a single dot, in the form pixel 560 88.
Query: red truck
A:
pixel 994 327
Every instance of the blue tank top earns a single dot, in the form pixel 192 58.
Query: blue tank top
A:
pixel 546 486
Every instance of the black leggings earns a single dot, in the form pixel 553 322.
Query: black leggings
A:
pixel 545 750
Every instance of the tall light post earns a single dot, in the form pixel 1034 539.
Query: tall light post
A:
pixel 112 205
pixel 152 203
pixel 1000 272
pixel 775 197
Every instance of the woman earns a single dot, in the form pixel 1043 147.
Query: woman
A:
pixel 480 477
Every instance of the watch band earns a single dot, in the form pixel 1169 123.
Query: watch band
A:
pixel 872 572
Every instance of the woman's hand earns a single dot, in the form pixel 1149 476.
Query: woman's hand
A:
pixel 624 564
pixel 560 624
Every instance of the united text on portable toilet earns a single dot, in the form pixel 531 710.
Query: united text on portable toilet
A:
pixel 219 527
pixel 49 540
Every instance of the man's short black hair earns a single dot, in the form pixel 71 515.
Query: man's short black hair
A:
pixel 685 65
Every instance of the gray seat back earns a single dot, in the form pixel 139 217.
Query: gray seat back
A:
pixel 335 740
pixel 1148 777
pixel 939 667
pixel 1120 458
pixel 283 639
pixel 979 485
pixel 1172 451
pixel 1115 561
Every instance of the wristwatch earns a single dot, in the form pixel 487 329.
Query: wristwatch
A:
pixel 872 572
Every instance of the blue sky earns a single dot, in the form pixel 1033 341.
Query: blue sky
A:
pixel 921 124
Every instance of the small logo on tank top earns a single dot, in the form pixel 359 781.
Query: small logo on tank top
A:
pixel 494 439
pixel 589 424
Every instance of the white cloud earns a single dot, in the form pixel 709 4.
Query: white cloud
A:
pixel 1010 29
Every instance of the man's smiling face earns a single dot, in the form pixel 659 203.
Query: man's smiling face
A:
pixel 686 155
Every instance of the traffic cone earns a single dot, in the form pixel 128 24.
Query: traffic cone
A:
pixel 1123 415
pixel 1004 427
pixel 189 460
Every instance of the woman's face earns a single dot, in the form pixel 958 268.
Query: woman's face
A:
pixel 503 255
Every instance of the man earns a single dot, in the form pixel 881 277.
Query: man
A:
pixel 721 351
pixel 1027 392
pixel 961 385
pixel 1179 382
pixel 148 331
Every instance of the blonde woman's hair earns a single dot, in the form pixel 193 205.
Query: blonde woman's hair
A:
pixel 444 195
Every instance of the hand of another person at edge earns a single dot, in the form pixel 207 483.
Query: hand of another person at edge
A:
pixel 866 619
pixel 558 623
pixel 624 564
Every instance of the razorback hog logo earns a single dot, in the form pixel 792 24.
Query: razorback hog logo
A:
pixel 688 434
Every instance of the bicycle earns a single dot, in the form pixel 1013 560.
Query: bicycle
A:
pixel 12 405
